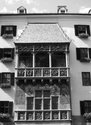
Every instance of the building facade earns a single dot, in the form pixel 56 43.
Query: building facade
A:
pixel 45 68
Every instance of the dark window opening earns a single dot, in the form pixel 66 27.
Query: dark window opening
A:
pixel 42 59
pixel 85 106
pixel 8 30
pixel 86 78
pixel 82 30
pixel 25 60
pixel 6 107
pixel 83 54
pixel 7 53
pixel 6 79
pixel 55 102
pixel 58 60
pixel 30 103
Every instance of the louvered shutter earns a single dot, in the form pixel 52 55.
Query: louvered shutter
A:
pixel 14 30
pixel 12 53
pixel 2 30
pixel 11 108
pixel 78 53
pixel 89 52
pixel 1 53
pixel 88 30
pixel 82 107
pixel 12 78
pixel 0 78
pixel 76 30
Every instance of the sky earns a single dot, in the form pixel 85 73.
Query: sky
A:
pixel 45 6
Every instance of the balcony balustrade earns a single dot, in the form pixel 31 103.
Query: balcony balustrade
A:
pixel 42 72
pixel 46 115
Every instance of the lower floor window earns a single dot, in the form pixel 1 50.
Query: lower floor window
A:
pixel 6 107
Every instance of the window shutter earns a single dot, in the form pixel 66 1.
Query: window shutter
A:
pixel 76 30
pixel 78 53
pixel 11 108
pixel 82 107
pixel 88 30
pixel 12 78
pixel 13 53
pixel 89 52
pixel 1 53
pixel 14 30
pixel 2 30
pixel 0 78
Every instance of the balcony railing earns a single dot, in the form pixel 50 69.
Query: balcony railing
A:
pixel 42 72
pixel 48 115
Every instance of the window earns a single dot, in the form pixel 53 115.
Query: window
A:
pixel 6 107
pixel 86 78
pixel 6 79
pixel 85 106
pixel 82 31
pixel 7 54
pixel 83 54
pixel 42 59
pixel 58 60
pixel 8 30
pixel 21 10
pixel 25 60
pixel 42 101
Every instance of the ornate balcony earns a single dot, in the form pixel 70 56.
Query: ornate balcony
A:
pixel 42 72
pixel 47 115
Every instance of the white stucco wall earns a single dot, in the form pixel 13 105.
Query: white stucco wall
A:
pixel 67 22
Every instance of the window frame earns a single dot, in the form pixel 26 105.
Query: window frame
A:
pixel 87 30
pixel 6 109
pixel 6 57
pixel 10 32
pixel 86 56
pixel 11 79
pixel 86 78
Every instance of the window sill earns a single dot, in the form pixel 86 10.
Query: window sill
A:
pixel 85 60
pixel 83 35
pixel 5 85
pixel 7 35
pixel 6 59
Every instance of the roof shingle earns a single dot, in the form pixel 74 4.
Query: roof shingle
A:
pixel 42 33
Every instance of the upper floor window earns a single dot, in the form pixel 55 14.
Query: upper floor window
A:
pixel 86 78
pixel 58 59
pixel 7 54
pixel 8 30
pixel 25 60
pixel 42 59
pixel 83 31
pixel 83 54
pixel 21 10
pixel 6 79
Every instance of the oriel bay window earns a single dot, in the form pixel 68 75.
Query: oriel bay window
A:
pixel 44 101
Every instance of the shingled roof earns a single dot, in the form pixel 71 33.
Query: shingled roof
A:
pixel 42 33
